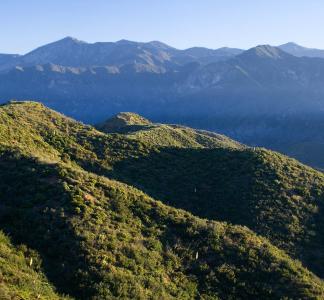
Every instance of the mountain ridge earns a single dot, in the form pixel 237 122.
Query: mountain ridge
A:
pixel 72 52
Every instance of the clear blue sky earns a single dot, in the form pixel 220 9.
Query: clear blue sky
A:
pixel 26 24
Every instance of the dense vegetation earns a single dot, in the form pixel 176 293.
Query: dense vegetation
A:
pixel 97 238
pixel 20 275
pixel 275 196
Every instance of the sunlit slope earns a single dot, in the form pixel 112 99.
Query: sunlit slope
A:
pixel 141 129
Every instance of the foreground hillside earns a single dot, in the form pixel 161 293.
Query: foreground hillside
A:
pixel 102 239
pixel 97 238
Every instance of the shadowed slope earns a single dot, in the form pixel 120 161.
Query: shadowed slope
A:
pixel 101 239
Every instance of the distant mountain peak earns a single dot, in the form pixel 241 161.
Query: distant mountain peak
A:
pixel 291 46
pixel 125 42
pixel 70 39
pixel 300 51
pixel 266 51
pixel 65 42
pixel 159 44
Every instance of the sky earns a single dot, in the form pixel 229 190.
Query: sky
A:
pixel 27 24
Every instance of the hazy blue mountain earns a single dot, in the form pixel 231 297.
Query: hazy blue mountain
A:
pixel 205 55
pixel 259 68
pixel 8 58
pixel 262 96
pixel 153 56
pixel 203 52
pixel 300 51
pixel 74 53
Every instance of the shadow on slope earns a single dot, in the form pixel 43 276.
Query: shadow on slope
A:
pixel 118 243
pixel 35 208
pixel 273 195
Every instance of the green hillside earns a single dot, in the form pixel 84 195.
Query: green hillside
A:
pixel 98 238
pixel 102 239
pixel 140 129
pixel 270 193
pixel 275 196
pixel 123 122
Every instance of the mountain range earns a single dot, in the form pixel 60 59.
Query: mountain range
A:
pixel 153 56
pixel 266 96
pixel 133 209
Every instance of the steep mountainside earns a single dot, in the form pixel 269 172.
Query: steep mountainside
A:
pixel 99 238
